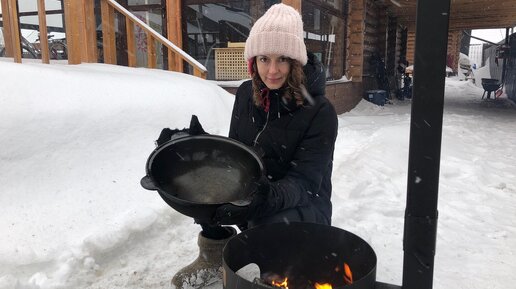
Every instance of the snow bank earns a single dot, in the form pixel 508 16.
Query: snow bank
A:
pixel 74 145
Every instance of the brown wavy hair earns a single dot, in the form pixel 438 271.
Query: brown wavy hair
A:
pixel 292 87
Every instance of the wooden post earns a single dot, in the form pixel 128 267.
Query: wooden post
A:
pixel 355 43
pixel 411 44
pixel 199 73
pixel 131 47
pixel 80 31
pixel 73 38
pixel 151 51
pixel 175 62
pixel 108 32
pixel 453 50
pixel 294 3
pixel 7 29
pixel 15 31
pixel 382 33
pixel 89 33
pixel 43 40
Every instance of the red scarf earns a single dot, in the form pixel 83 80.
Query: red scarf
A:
pixel 264 99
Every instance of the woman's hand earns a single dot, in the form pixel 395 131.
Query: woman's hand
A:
pixel 231 214
pixel 169 134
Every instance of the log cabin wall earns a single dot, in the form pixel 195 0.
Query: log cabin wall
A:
pixel 391 56
pixel 355 44
pixel 411 44
pixel 376 21
pixel 454 42
pixel 401 44
pixel 344 95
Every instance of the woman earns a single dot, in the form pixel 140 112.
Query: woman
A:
pixel 282 113
pixel 294 127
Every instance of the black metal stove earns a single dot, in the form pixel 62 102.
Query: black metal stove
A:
pixel 305 253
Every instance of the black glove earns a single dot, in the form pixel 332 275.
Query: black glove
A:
pixel 168 134
pixel 230 214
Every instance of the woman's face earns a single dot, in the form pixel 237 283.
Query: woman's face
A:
pixel 273 69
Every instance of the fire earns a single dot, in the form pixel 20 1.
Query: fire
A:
pixel 348 279
pixel 282 284
pixel 348 276
pixel 323 286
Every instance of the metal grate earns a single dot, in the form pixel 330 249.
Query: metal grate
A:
pixel 230 64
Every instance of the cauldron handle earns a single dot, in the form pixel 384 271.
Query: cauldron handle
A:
pixel 148 184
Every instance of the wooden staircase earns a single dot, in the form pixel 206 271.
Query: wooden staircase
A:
pixel 81 35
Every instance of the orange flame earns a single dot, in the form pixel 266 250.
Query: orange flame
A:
pixel 348 276
pixel 348 279
pixel 282 284
pixel 323 286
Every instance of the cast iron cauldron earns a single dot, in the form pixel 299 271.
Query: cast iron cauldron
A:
pixel 197 174
pixel 304 252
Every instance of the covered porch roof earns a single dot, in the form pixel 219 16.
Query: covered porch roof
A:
pixel 464 14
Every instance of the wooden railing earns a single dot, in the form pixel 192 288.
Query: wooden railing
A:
pixel 108 7
pixel 81 35
pixel 11 30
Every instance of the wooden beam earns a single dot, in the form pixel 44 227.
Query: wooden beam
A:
pixel 80 26
pixel 411 45
pixel 354 70
pixel 108 32
pixel 131 46
pixel 79 30
pixel 89 34
pixel 15 31
pixel 72 31
pixel 43 40
pixel 294 3
pixel 174 30
pixel 356 60
pixel 8 40
pixel 484 23
pixel 356 28
pixel 151 51
pixel 464 14
pixel 453 49
pixel 199 73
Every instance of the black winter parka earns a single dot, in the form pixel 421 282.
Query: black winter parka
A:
pixel 297 144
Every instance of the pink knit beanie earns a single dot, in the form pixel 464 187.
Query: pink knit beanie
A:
pixel 278 31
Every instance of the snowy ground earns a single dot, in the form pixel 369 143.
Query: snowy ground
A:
pixel 75 140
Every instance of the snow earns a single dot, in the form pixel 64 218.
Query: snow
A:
pixel 75 139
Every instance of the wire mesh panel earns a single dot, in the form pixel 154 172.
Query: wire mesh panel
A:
pixel 230 64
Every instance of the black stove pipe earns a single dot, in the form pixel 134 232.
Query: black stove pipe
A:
pixel 425 143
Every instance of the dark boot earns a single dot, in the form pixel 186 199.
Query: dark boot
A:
pixel 207 268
